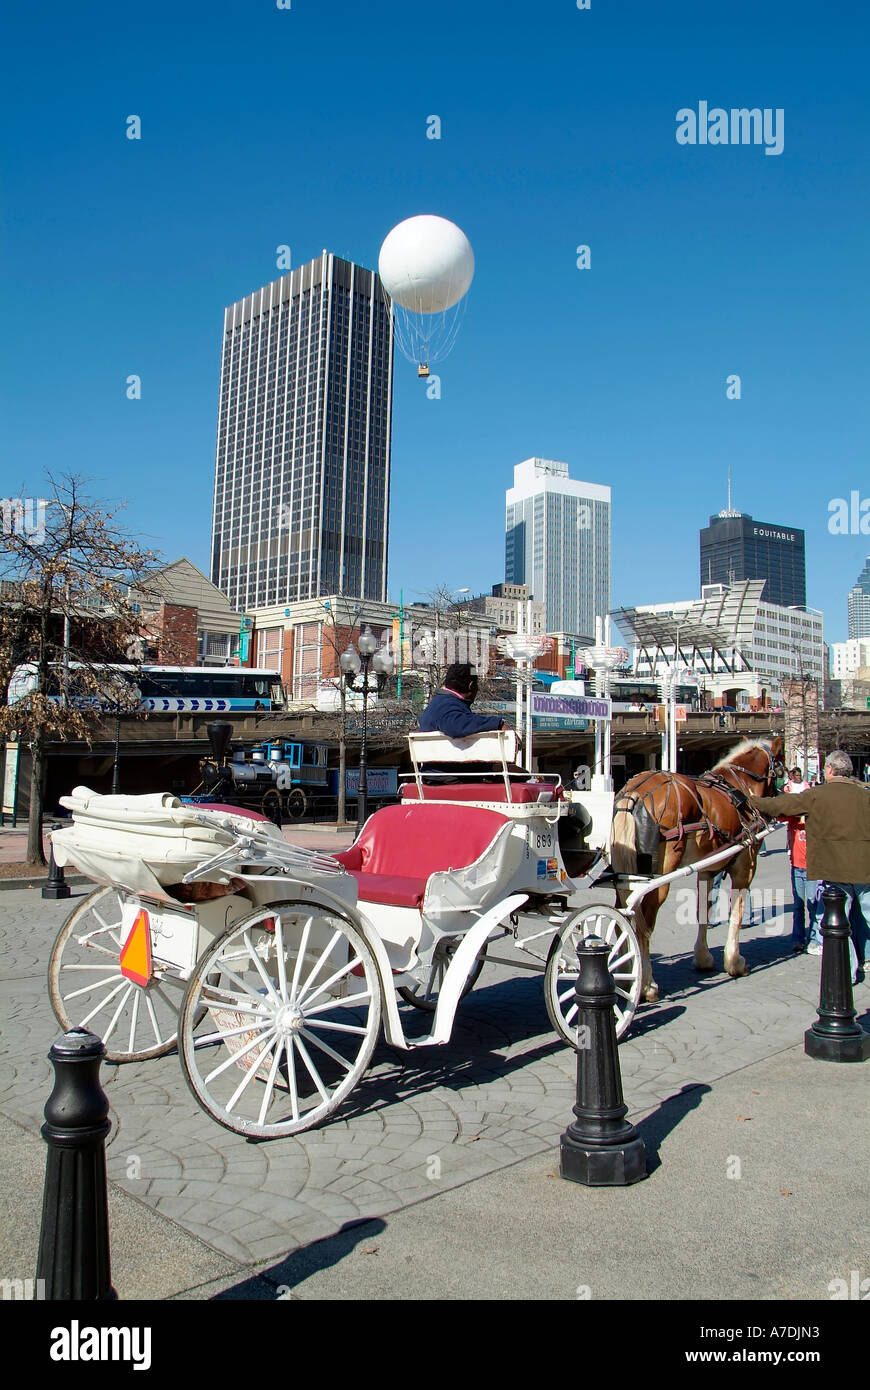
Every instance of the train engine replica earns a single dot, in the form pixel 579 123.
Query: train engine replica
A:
pixel 277 778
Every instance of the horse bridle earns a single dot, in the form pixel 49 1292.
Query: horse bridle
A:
pixel 769 776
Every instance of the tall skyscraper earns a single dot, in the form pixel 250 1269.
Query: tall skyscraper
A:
pixel 735 547
pixel 302 472
pixel 859 604
pixel 558 544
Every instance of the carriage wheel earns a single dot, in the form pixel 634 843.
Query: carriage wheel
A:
pixel 624 963
pixel 87 989
pixel 271 805
pixel 297 803
pixel 285 1039
pixel 425 996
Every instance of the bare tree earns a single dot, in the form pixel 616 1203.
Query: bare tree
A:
pixel 800 708
pixel 65 612
pixel 436 642
pixel 336 638
pixel 842 728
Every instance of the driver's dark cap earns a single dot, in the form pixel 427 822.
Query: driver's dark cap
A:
pixel 460 676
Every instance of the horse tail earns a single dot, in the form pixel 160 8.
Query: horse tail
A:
pixel 623 839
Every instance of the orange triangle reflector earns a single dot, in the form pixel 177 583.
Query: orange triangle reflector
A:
pixel 136 951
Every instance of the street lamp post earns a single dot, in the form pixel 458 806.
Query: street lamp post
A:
pixel 676 672
pixel 355 662
pixel 604 659
pixel 116 762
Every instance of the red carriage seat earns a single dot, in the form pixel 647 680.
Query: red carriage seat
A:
pixel 401 846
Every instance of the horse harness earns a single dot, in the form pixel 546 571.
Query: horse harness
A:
pixel 738 797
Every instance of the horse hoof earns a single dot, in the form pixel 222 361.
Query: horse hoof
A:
pixel 737 969
pixel 651 994
pixel 705 963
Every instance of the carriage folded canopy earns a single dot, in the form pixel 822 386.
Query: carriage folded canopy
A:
pixel 146 843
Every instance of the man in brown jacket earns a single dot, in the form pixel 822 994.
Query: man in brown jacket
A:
pixel 837 814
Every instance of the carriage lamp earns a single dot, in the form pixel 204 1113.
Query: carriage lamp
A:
pixel 356 662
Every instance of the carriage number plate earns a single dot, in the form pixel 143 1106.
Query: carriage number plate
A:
pixel 174 935
pixel 543 840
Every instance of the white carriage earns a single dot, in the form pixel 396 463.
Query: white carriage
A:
pixel 274 967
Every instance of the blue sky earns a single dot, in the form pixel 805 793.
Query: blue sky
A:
pixel 308 127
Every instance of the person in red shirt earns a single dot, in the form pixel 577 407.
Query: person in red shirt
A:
pixel 804 902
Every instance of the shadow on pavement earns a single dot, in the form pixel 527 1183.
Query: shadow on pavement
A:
pixel 657 1126
pixel 309 1259
pixel 677 974
pixel 652 1016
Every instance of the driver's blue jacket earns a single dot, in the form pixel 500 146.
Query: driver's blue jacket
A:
pixel 449 714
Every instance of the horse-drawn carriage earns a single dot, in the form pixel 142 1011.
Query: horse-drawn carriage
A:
pixel 273 968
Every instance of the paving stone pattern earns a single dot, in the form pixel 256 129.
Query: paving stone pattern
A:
pixel 501 1091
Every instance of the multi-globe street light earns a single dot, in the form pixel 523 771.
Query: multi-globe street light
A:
pixel 356 662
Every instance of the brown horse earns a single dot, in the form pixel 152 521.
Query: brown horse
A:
pixel 666 820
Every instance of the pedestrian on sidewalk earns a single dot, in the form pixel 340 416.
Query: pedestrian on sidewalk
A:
pixel 837 820
pixel 804 900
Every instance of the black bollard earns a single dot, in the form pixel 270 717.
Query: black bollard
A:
pixel 55 885
pixel 835 1036
pixel 74 1237
pixel 600 1149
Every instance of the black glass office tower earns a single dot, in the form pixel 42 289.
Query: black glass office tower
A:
pixel 302 471
pixel 735 546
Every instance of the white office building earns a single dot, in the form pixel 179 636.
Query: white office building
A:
pixel 736 643
pixel 557 543
pixel 848 658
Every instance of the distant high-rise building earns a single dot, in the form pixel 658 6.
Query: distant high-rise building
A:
pixel 510 608
pixel 302 471
pixel 859 604
pixel 558 544
pixel 735 546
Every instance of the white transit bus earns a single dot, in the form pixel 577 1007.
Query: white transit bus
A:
pixel 632 692
pixel 161 689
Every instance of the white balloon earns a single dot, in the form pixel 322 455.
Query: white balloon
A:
pixel 426 264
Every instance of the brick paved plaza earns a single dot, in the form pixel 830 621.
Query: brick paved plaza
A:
pixel 425 1123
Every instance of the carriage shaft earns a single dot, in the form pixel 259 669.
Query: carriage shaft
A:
pixel 700 866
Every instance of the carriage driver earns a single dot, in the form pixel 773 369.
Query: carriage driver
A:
pixel 449 712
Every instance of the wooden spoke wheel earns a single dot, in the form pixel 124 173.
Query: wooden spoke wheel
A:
pixel 425 994
pixel 624 963
pixel 271 805
pixel 87 989
pixel 293 1003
